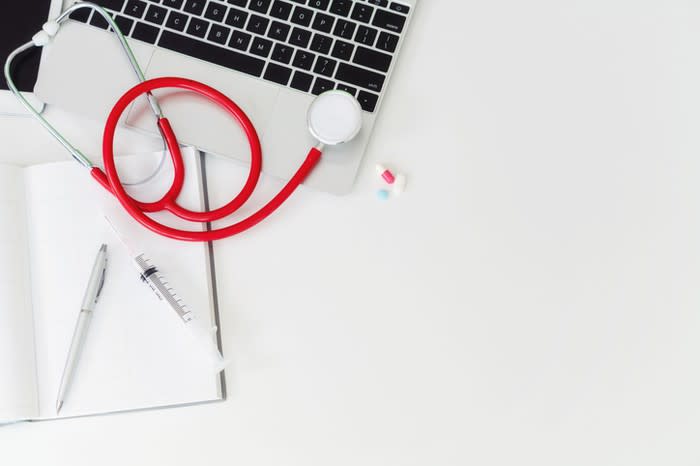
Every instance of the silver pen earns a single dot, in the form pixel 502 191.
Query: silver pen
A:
pixel 92 294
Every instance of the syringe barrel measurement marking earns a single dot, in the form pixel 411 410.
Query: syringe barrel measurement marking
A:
pixel 150 275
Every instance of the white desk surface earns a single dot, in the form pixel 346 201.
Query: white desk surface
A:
pixel 534 298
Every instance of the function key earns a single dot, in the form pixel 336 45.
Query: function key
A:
pixel 319 4
pixel 388 20
pixel 281 10
pixel 362 13
pixel 382 3
pixel 400 8
pixel 260 6
pixel 341 7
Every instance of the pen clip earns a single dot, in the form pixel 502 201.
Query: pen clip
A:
pixel 102 282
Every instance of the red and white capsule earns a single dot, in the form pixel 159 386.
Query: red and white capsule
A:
pixel 386 174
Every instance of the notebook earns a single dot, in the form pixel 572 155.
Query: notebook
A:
pixel 52 225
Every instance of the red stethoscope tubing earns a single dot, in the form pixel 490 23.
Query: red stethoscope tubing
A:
pixel 109 178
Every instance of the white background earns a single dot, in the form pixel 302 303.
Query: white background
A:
pixel 533 299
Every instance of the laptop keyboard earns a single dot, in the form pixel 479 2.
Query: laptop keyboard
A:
pixel 309 45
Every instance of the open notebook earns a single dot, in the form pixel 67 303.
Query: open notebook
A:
pixel 51 226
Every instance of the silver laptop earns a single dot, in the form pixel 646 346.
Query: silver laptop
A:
pixel 270 56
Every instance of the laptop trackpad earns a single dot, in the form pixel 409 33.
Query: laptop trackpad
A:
pixel 196 120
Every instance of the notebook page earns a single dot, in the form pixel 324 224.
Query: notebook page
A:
pixel 134 355
pixel 18 398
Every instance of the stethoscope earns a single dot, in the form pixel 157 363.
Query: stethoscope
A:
pixel 333 118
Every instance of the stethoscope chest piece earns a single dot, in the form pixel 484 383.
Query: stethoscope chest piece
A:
pixel 334 117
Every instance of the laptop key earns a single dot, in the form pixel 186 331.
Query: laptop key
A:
pixel 260 6
pixel 215 12
pixel 212 53
pixel 99 21
pixel 387 42
pixel 198 27
pixel 341 7
pixel 261 47
pixel 156 14
pixel 281 10
pixel 176 21
pixel 238 2
pixel 325 66
pixel 124 24
pixel 360 77
pixel 349 89
pixel 219 34
pixel 342 50
pixel 303 59
pixel 322 85
pixel 366 35
pixel 319 4
pixel 388 20
pixel 300 37
pixel 196 7
pixel 362 13
pixel 282 53
pixel 277 73
pixel 372 59
pixel 381 3
pixel 145 32
pixel 323 23
pixel 258 24
pixel 81 15
pixel 344 29
pixel 321 43
pixel 400 8
pixel 368 101
pixel 173 3
pixel 236 18
pixel 302 16
pixel 135 8
pixel 279 31
pixel 240 40
pixel 114 5
pixel 302 81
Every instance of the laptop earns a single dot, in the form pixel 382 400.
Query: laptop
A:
pixel 272 57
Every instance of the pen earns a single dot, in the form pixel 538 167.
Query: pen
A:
pixel 92 294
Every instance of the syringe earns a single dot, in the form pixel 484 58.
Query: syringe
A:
pixel 152 276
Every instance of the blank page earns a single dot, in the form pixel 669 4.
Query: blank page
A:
pixel 18 399
pixel 135 355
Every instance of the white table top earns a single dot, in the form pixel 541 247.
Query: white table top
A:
pixel 532 299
